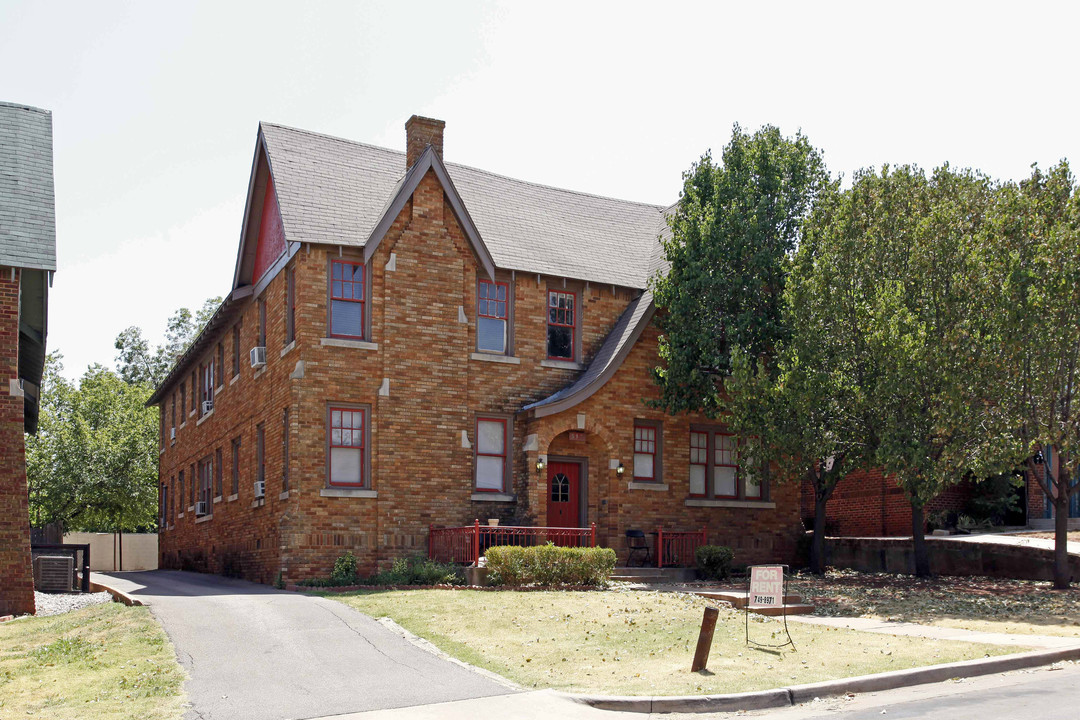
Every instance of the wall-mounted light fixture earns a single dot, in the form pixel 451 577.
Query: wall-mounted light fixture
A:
pixel 540 466
pixel 620 470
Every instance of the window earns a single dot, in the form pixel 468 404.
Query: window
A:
pixel 206 478
pixel 561 324
pixel 219 377
pixel 719 467
pixel 172 496
pixel 646 451
pixel 290 306
pixel 191 485
pixel 492 440
pixel 285 450
pixel 348 445
pixel 260 453
pixel 492 311
pixel 207 372
pixel 217 474
pixel 347 299
pixel 183 401
pixel 194 390
pixel 235 466
pixel 164 505
pixel 181 495
pixel 236 349
pixel 262 322
pixel 172 425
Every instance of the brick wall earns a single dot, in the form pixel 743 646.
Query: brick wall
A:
pixel 16 578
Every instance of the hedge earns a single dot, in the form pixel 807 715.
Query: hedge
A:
pixel 714 561
pixel 549 565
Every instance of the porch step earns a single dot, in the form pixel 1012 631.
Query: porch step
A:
pixel 653 575
pixel 793 604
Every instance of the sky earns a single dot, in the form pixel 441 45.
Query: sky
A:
pixel 156 108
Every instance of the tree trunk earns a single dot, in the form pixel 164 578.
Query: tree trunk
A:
pixel 1062 575
pixel 918 541
pixel 817 547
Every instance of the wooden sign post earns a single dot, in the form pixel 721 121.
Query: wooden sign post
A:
pixel 704 641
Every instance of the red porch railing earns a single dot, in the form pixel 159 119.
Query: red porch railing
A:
pixel 464 545
pixel 676 548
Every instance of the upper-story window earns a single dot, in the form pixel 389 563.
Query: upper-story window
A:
pixel 647 443
pixel 207 372
pixel 262 322
pixel 290 305
pixel 493 312
pixel 183 402
pixel 194 391
pixel 561 324
pixel 236 349
pixel 347 294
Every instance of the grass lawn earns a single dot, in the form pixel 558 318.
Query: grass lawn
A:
pixel 104 662
pixel 971 603
pixel 638 643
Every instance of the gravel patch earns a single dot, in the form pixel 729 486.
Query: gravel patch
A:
pixel 57 603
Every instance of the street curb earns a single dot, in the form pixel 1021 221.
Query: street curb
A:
pixel 788 696
pixel 118 595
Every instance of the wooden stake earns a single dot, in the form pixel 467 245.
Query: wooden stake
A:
pixel 704 641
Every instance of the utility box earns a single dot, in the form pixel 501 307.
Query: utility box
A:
pixel 53 573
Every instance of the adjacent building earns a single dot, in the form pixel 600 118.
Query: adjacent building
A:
pixel 411 343
pixel 27 264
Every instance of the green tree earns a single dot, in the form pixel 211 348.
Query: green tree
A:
pixel 732 233
pixel 931 331
pixel 93 463
pixel 812 420
pixel 137 362
pixel 1035 257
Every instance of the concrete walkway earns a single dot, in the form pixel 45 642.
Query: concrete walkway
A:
pixel 1013 539
pixel 937 633
pixel 256 653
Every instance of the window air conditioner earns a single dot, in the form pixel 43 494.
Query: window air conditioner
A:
pixel 260 488
pixel 207 406
pixel 258 357
pixel 200 507
pixel 172 433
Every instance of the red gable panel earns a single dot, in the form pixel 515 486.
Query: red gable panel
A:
pixel 271 235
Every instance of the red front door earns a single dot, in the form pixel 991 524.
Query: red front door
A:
pixel 564 492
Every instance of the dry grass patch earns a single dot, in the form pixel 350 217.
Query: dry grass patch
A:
pixel 1072 536
pixel 971 603
pixel 638 643
pixel 107 662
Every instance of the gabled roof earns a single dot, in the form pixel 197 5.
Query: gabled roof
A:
pixel 27 195
pixel 609 358
pixel 337 191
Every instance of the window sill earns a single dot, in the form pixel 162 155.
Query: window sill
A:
pixel 204 518
pixel 258 373
pixel 191 508
pixel 493 497
pixel 204 418
pixel 234 379
pixel 234 496
pixel 646 485
pixel 219 389
pixel 561 364
pixel 191 414
pixel 285 350
pixel 283 496
pixel 179 428
pixel 258 502
pixel 343 342
pixel 348 492
pixel 179 515
pixel 748 504
pixel 490 357
pixel 217 499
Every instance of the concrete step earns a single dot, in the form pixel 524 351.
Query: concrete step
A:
pixel 793 604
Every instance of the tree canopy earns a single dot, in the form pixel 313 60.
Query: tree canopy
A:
pixel 137 362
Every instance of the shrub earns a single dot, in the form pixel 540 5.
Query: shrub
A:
pixel 417 571
pixel 344 572
pixel 714 561
pixel 549 565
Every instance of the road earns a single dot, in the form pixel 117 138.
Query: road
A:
pixel 256 653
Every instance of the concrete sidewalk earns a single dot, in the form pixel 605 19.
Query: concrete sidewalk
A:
pixel 937 633
pixel 1011 538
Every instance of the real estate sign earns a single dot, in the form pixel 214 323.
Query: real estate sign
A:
pixel 767 585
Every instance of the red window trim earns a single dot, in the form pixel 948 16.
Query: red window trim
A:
pixel 481 283
pixel 707 435
pixel 652 429
pixel 502 486
pixel 572 326
pixel 361 301
pixel 712 462
pixel 331 445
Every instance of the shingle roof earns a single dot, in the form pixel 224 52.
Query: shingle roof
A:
pixel 334 191
pixel 27 204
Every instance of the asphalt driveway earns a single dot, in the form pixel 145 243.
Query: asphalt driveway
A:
pixel 256 653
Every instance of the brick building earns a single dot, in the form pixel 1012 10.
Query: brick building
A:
pixel 27 262
pixel 410 343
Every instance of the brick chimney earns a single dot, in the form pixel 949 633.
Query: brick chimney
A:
pixel 419 133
